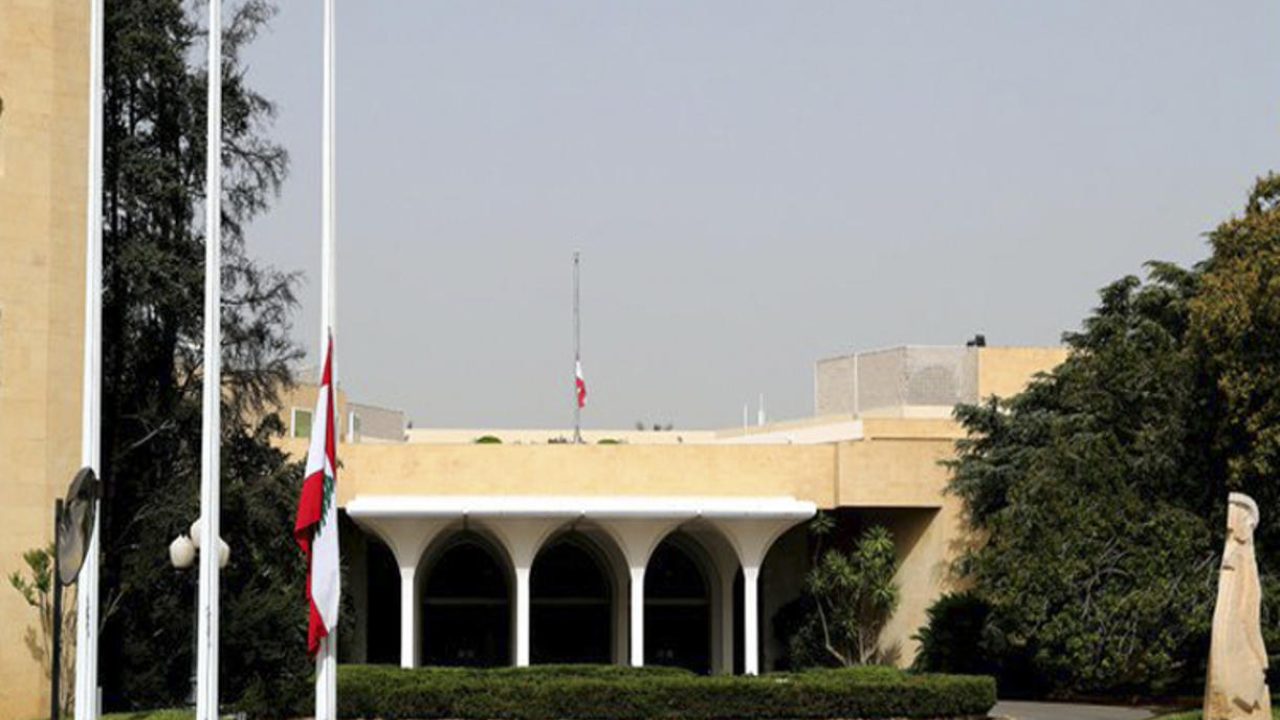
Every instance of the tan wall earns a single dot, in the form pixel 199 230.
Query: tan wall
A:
pixel 928 541
pixel 893 472
pixel 43 141
pixel 1005 371
pixel 805 472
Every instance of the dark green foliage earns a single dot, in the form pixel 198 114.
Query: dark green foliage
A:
pixel 961 637
pixel 1235 335
pixel 154 157
pixel 1100 490
pixel 850 594
pixel 488 440
pixel 614 693
pixel 1098 560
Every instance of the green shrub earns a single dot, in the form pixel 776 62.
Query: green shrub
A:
pixel 575 692
pixel 488 440
pixel 959 637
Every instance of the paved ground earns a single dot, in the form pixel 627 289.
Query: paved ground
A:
pixel 1018 710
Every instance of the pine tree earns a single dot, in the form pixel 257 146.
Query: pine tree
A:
pixel 154 155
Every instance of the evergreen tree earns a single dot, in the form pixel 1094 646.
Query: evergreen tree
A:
pixel 1100 491
pixel 154 155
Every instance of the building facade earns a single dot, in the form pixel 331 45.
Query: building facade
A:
pixel 44 99
pixel 683 548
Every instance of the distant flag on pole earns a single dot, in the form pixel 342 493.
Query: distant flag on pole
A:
pixel 580 383
pixel 316 528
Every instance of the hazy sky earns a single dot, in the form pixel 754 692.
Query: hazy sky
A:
pixel 752 185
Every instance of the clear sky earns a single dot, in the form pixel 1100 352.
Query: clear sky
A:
pixel 752 185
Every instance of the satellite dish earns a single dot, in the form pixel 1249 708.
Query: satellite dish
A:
pixel 75 524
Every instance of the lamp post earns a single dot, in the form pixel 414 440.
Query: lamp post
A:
pixel 182 555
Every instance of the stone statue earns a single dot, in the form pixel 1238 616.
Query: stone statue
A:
pixel 1237 684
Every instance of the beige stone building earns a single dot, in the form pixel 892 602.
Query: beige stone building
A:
pixel 43 160
pixel 675 547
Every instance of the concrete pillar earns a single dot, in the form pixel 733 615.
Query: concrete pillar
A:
pixel 637 616
pixel 751 620
pixel 523 573
pixel 522 538
pixel 408 539
pixel 408 616
pixel 637 538
pixel 752 537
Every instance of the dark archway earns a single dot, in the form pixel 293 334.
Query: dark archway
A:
pixel 466 601
pixel 677 610
pixel 570 602
pixel 382 629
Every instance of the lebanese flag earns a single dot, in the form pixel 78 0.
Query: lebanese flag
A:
pixel 579 383
pixel 316 528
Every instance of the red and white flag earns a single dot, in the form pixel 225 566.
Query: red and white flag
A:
pixel 580 384
pixel 316 528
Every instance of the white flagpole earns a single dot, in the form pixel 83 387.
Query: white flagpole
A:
pixel 577 354
pixel 87 621
pixel 211 438
pixel 326 659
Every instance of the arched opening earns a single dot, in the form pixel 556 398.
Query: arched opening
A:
pixel 570 597
pixel 677 609
pixel 467 606
pixel 383 619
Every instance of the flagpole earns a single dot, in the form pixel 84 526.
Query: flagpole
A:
pixel 326 658
pixel 577 353
pixel 211 436
pixel 87 621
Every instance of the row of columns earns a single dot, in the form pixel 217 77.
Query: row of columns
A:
pixel 732 543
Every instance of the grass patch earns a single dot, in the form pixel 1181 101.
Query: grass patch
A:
pixel 174 714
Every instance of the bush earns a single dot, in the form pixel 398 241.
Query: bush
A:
pixel 959 637
pixel 619 693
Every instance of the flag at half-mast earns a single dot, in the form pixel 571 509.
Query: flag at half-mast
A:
pixel 316 528
pixel 579 383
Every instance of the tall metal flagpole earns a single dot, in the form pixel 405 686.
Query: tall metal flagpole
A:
pixel 211 437
pixel 577 354
pixel 87 624
pixel 326 658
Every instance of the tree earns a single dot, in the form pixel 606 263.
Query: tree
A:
pixel 1234 328
pixel 1089 491
pixel 851 595
pixel 1100 490
pixel 154 154
pixel 37 588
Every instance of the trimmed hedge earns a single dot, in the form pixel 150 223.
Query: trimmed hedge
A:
pixel 605 692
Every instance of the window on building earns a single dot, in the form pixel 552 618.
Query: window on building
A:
pixel 301 423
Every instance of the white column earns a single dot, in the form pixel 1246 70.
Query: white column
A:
pixel 86 664
pixel 751 620
pixel 207 663
pixel 408 616
pixel 752 538
pixel 523 574
pixel 637 538
pixel 637 616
